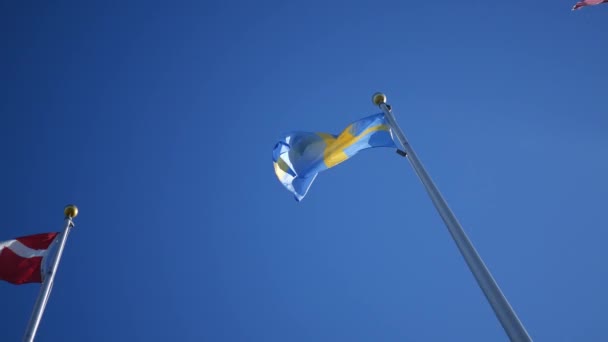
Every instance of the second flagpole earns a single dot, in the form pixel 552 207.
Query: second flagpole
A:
pixel 70 212
pixel 505 314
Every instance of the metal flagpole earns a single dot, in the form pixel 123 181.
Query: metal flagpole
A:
pixel 70 212
pixel 505 314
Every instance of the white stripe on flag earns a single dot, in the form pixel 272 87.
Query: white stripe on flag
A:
pixel 21 249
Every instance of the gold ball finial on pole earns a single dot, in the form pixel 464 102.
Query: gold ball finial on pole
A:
pixel 378 99
pixel 70 211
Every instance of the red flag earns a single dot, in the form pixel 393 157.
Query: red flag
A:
pixel 21 259
pixel 587 3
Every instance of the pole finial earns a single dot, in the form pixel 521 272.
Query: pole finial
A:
pixel 70 211
pixel 378 99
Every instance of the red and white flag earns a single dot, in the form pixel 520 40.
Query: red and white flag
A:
pixel 21 259
pixel 588 3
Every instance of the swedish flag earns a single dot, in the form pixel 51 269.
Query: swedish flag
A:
pixel 300 156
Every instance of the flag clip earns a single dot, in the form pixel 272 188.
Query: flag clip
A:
pixel 401 153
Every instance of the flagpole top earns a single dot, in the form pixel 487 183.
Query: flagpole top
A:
pixel 378 99
pixel 70 211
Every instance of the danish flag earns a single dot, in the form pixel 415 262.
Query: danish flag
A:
pixel 21 258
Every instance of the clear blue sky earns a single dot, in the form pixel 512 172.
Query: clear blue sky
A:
pixel 158 121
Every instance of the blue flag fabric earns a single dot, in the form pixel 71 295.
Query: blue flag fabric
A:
pixel 300 156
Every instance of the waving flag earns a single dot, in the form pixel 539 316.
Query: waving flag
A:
pixel 584 3
pixel 21 258
pixel 300 156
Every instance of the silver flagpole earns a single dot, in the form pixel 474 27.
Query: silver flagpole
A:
pixel 70 212
pixel 505 314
